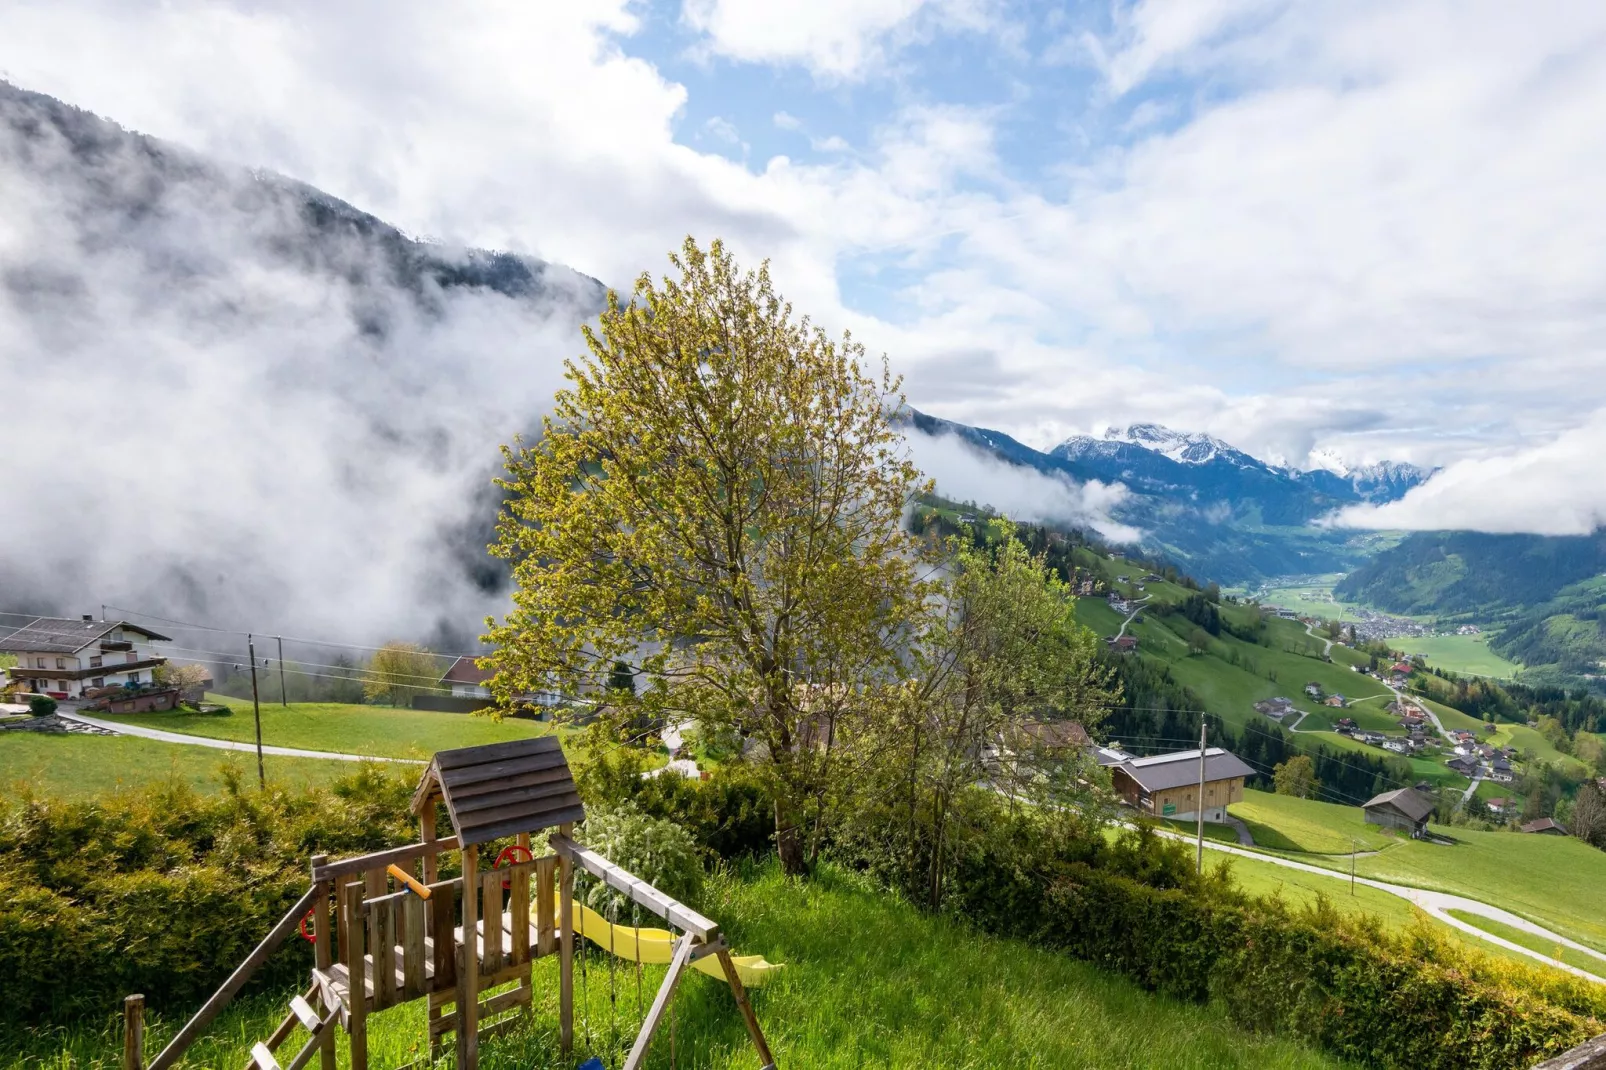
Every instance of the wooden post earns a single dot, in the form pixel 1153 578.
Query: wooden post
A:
pixel 740 992
pixel 426 827
pixel 660 1003
pixel 323 956
pixel 565 948
pixel 468 967
pixel 1198 861
pixel 351 907
pixel 134 1033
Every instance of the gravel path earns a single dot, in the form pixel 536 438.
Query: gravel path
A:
pixel 119 729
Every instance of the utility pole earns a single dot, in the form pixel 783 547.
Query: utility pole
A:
pixel 284 699
pixel 1198 861
pixel 256 710
pixel 1352 846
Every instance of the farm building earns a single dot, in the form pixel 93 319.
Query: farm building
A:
pixel 63 658
pixel 1121 644
pixel 1167 785
pixel 1402 808
pixel 1545 827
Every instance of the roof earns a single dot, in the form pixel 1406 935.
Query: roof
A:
pixel 1406 800
pixel 1173 770
pixel 1544 824
pixel 1056 733
pixel 464 671
pixel 65 635
pixel 501 788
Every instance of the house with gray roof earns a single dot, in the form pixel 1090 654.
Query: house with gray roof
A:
pixel 63 657
pixel 1403 808
pixel 1167 785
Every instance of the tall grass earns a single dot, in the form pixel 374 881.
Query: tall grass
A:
pixel 868 982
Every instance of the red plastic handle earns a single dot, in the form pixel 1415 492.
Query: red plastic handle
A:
pixel 310 938
pixel 510 853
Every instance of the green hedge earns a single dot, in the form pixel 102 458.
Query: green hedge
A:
pixel 165 891
pixel 1386 1000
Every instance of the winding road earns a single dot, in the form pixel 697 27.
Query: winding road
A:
pixel 1438 905
pixel 1327 651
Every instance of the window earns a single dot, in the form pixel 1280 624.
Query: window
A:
pixel 61 685
pixel 94 661
pixel 61 663
pixel 133 677
pixel 131 657
pixel 99 681
pixel 38 663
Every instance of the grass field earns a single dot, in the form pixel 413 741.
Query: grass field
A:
pixel 83 766
pixel 1517 936
pixel 1468 654
pixel 867 982
pixel 331 726
pixel 1284 823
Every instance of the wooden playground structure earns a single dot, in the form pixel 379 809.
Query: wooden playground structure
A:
pixel 386 930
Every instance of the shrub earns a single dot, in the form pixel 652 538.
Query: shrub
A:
pixel 729 815
pixel 659 852
pixel 42 705
pixel 164 891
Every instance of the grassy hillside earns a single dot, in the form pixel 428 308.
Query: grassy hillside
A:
pixel 333 726
pixel 1284 823
pixel 867 982
pixel 84 766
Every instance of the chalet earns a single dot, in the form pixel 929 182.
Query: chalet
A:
pixel 1167 785
pixel 1500 771
pixel 1345 725
pixel 1497 805
pixel 1397 746
pixel 1402 808
pixel 63 657
pixel 1464 766
pixel 1121 644
pixel 1544 826
pixel 1313 689
pixel 1336 701
pixel 1402 668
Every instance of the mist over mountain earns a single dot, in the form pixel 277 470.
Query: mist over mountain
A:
pixel 1214 509
pixel 233 398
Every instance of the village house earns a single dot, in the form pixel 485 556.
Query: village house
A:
pixel 63 658
pixel 1167 785
pixel 1402 808
pixel 1500 771
pixel 1464 766
pixel 1123 644
pixel 1497 805
pixel 1313 689
pixel 467 680
pixel 1275 708
pixel 1336 701
pixel 1345 726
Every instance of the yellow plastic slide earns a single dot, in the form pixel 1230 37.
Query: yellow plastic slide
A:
pixel 658 945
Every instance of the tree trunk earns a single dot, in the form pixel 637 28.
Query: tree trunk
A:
pixel 789 840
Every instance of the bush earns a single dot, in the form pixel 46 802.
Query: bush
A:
pixel 42 705
pixel 659 852
pixel 164 891
pixel 729 815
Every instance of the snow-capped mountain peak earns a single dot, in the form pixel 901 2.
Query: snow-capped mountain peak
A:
pixel 1185 447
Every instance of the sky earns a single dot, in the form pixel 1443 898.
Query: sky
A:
pixel 1368 228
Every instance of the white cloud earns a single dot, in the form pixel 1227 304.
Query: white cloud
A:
pixel 965 474
pixel 785 121
pixel 838 39
pixel 1550 489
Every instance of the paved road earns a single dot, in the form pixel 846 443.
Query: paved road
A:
pixel 1437 904
pixel 1327 651
pixel 118 728
pixel 1137 607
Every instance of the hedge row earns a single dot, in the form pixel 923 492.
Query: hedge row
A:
pixel 1382 1000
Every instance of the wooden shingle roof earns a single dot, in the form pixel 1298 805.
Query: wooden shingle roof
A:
pixel 501 789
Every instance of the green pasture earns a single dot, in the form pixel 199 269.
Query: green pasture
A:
pixel 1557 952
pixel 867 982
pixel 382 731
pixel 1458 653
pixel 1285 823
pixel 77 766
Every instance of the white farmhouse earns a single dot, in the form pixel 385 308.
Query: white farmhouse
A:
pixel 61 657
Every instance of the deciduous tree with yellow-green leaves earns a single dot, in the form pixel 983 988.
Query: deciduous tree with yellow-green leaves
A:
pixel 716 500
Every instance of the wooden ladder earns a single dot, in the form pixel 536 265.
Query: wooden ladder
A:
pixel 302 1014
